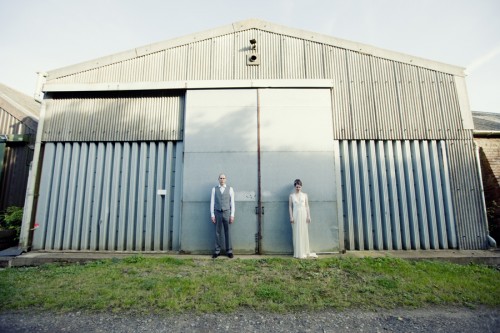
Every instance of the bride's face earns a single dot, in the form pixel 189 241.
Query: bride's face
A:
pixel 298 188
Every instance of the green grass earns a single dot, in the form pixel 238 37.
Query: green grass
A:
pixel 145 285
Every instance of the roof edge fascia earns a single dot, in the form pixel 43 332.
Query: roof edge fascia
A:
pixel 260 25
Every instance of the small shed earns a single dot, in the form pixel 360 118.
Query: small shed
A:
pixel 487 139
pixel 18 125
pixel 130 145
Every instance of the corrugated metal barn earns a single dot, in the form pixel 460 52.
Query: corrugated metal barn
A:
pixel 18 126
pixel 131 144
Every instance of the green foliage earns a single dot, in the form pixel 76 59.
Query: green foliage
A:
pixel 150 284
pixel 12 219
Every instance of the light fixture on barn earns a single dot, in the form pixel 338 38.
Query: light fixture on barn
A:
pixel 253 59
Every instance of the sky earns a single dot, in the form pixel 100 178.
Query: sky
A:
pixel 39 36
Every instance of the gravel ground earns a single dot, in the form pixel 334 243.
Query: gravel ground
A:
pixel 421 320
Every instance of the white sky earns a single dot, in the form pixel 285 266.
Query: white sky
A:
pixel 38 35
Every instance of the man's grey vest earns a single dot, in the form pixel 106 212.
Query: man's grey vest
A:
pixel 222 201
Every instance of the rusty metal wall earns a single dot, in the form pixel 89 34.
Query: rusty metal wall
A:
pixel 119 117
pixel 108 196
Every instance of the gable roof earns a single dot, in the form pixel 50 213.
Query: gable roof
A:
pixel 259 25
pixel 19 105
pixel 486 122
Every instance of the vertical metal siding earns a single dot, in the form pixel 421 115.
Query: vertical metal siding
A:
pixel 175 64
pixel 471 221
pixel 16 165
pixel 385 99
pixel 431 109
pixel 269 47
pixel 293 58
pixel 336 69
pixel 199 60
pixel 394 195
pixel 412 119
pixel 114 119
pixel 103 196
pixel 313 58
pixel 12 125
pixel 373 98
pixel 241 50
pixel 450 107
pixel 222 48
pixel 364 115
pixel 16 162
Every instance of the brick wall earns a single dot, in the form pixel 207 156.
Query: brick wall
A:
pixel 489 154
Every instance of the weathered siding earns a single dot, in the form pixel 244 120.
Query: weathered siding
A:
pixel 396 195
pixel 114 117
pixel 375 98
pixel 107 196
pixel 467 197
pixel 16 159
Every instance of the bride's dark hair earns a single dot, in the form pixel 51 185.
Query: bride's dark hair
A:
pixel 297 182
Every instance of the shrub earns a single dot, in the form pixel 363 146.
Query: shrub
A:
pixel 12 219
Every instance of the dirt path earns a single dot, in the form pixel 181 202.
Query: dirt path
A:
pixel 421 320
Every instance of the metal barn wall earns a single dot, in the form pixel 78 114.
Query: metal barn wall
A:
pixel 17 158
pixel 9 124
pixel 469 206
pixel 374 98
pixel 396 195
pixel 109 196
pixel 377 96
pixel 123 116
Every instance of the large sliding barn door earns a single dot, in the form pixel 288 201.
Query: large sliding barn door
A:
pixel 222 135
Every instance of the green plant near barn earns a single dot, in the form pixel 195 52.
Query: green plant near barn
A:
pixel 12 219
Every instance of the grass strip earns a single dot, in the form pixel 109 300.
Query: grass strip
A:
pixel 157 285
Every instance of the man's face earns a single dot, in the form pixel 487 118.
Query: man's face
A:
pixel 222 180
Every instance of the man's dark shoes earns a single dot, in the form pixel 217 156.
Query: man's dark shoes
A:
pixel 215 255
pixel 230 255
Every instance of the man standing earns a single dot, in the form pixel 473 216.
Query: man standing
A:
pixel 222 213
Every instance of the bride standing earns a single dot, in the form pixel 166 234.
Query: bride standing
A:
pixel 300 217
